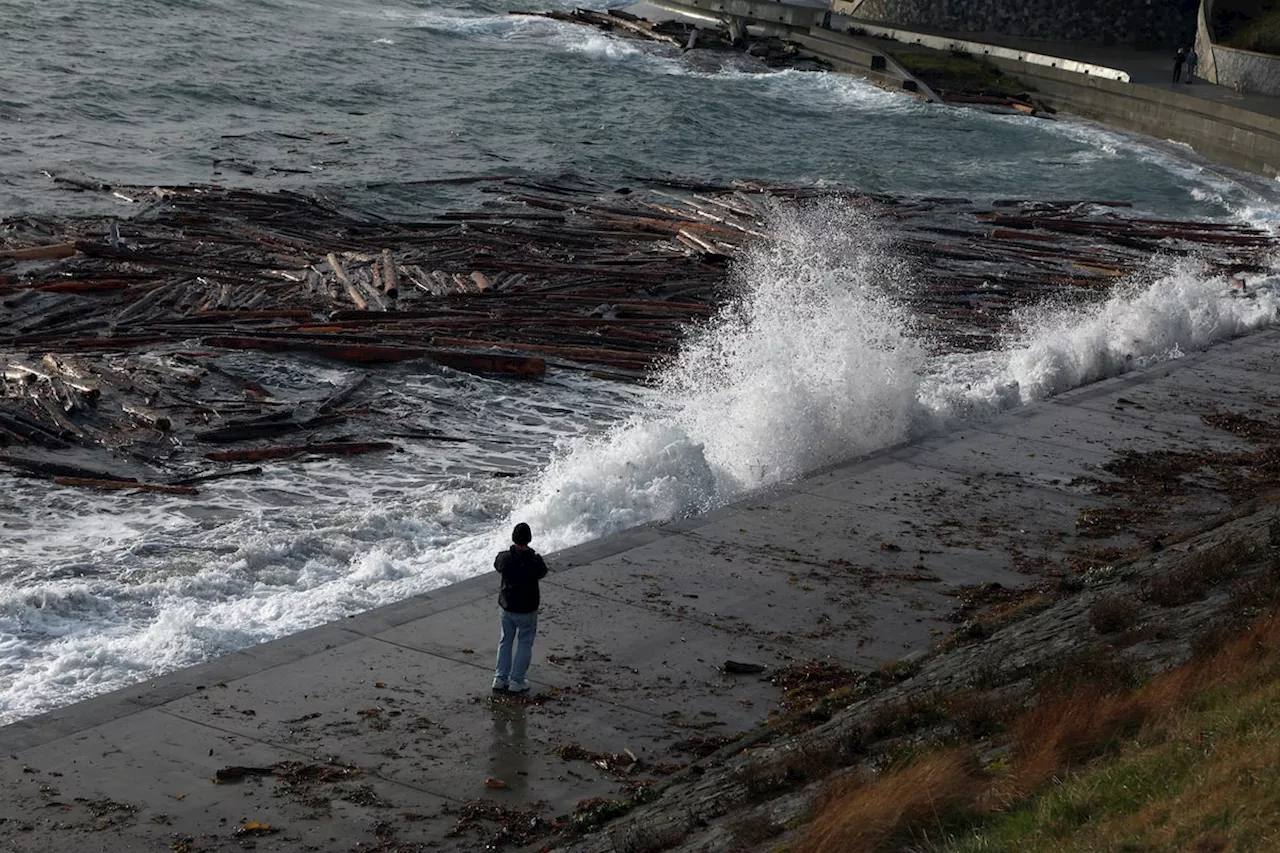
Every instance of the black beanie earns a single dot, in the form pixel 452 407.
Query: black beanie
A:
pixel 521 535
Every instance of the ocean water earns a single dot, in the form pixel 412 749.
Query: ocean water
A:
pixel 816 358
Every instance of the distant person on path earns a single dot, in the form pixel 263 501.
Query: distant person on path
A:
pixel 1193 59
pixel 1178 58
pixel 521 568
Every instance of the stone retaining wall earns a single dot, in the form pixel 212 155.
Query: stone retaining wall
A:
pixel 1243 69
pixel 1227 66
pixel 1249 71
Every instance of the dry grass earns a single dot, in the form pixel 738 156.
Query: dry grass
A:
pixel 1113 613
pixel 1064 729
pixel 927 793
pixel 907 716
pixel 1086 668
pixel 1201 775
pixel 809 761
pixel 977 715
pixel 1200 572
pixel 750 832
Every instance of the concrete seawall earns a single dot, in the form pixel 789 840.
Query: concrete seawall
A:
pixel 1236 137
pixel 1243 136
pixel 381 727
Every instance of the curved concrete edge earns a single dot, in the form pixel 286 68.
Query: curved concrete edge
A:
pixel 863 57
pixel 1223 133
pixel 787 15
pixel 975 48
pixel 1232 135
pixel 1208 67
pixel 844 52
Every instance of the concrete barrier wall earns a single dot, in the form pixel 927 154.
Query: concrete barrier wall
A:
pixel 1165 22
pixel 864 57
pixel 801 17
pixel 1208 68
pixel 1220 132
pixel 990 51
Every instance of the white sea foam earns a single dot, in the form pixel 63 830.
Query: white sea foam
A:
pixel 462 23
pixel 815 89
pixel 1247 204
pixel 1185 309
pixel 1152 318
pixel 827 90
pixel 66 639
pixel 1259 214
pixel 159 588
pixel 1205 182
pixel 1093 136
pixel 585 41
pixel 819 90
pixel 814 360
pixel 817 361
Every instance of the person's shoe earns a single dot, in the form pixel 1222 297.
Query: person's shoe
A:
pixel 518 687
pixel 500 685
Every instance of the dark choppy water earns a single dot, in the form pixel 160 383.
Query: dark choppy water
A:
pixel 365 96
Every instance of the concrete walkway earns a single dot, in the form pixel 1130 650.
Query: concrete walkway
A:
pixel 1121 87
pixel 1145 67
pixel 379 732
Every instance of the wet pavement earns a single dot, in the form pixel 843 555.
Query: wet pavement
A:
pixel 1146 67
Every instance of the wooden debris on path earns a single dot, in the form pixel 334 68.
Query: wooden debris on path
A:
pixel 135 344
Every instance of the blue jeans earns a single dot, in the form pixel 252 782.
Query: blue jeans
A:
pixel 525 627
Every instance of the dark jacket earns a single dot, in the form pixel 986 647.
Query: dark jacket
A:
pixel 521 569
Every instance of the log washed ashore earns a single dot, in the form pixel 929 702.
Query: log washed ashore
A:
pixel 115 331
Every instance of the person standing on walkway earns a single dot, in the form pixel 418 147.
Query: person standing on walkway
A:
pixel 1178 58
pixel 1193 59
pixel 521 568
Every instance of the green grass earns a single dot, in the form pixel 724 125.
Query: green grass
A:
pixel 1207 780
pixel 1261 33
pixel 956 72
pixel 1188 760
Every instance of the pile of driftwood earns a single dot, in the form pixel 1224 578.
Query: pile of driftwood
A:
pixel 117 337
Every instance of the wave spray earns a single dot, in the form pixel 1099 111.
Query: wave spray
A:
pixel 816 358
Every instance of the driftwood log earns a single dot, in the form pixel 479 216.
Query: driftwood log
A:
pixel 117 338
